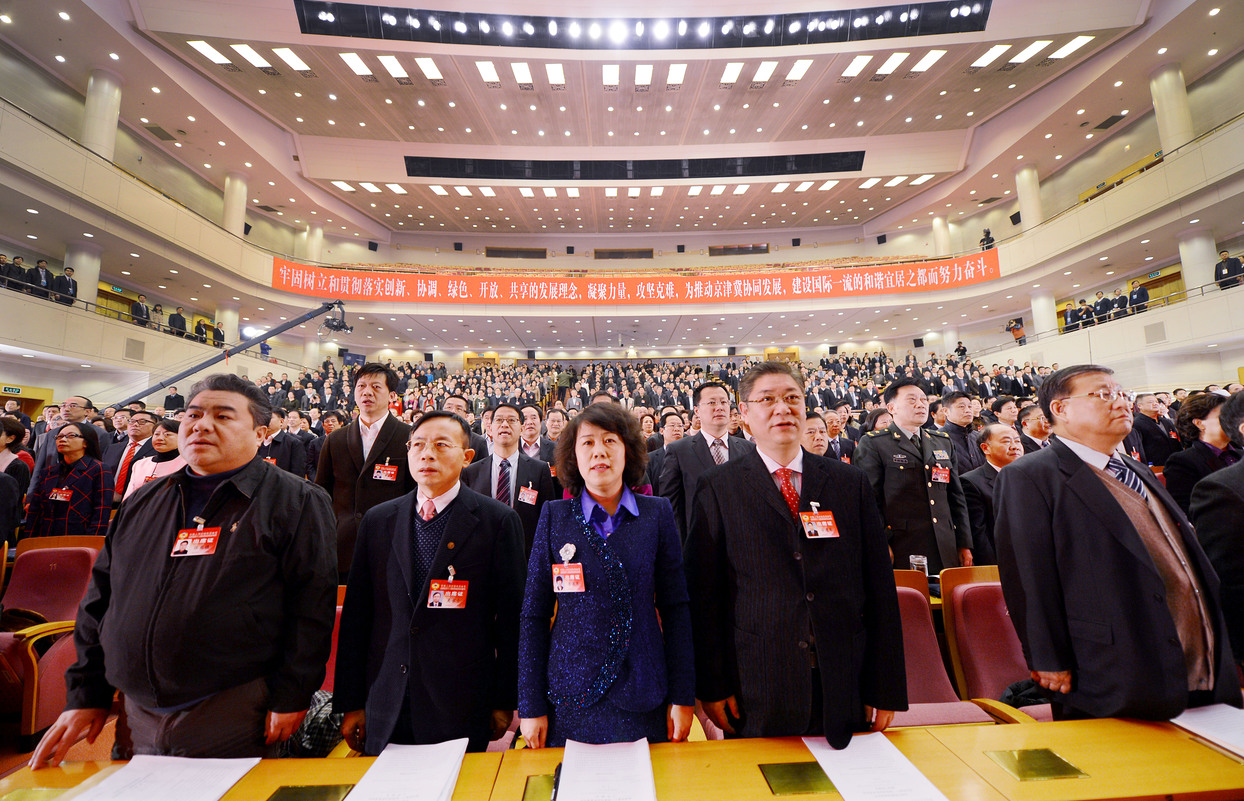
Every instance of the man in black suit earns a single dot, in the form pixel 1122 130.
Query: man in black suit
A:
pixel 282 448
pixel 1102 307
pixel 409 671
pixel 121 457
pixel 533 443
pixel 177 323
pixel 218 335
pixel 796 623
pixel 958 427
pixel 671 431
pixel 511 476
pixel 1228 270
pixel 140 313
pixel 1000 446
pixel 1119 302
pixel 1034 428
pixel 1156 438
pixel 838 446
pixel 1115 604
pixel 688 458
pixel 65 287
pixel 459 406
pixel 360 464
pixel 173 401
pixel 330 421
pixel 1138 297
pixel 40 279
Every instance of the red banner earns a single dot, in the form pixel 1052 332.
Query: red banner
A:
pixel 809 284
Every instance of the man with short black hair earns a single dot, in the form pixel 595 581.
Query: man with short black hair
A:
pixel 1156 439
pixel 457 404
pixel 40 279
pixel 534 444
pixel 959 428
pixel 177 323
pixel 65 287
pixel 137 445
pixel 1228 270
pixel 281 447
pixel 1001 445
pixel 1102 307
pixel 173 401
pixel 1034 428
pixel 140 312
pixel 1138 299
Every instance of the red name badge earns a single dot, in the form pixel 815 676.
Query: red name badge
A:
pixel 150 478
pixel 62 494
pixel 817 525
pixel 527 495
pixel 447 594
pixel 385 472
pixel 1174 435
pixel 269 460
pixel 846 460
pixel 196 542
pixel 1136 455
pixel 553 471
pixel 568 578
pixel 941 474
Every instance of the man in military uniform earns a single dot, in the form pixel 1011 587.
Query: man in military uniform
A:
pixel 913 473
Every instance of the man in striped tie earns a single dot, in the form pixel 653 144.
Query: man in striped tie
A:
pixel 1114 601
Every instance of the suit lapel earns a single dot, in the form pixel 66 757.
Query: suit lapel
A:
pixel 383 437
pixel 404 521
pixel 700 448
pixel 354 444
pixel 759 476
pixel 483 477
pixel 814 480
pixel 1085 484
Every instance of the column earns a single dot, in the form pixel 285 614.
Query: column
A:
pixel 1197 255
pixel 312 352
pixel 1044 314
pixel 1028 190
pixel 83 257
pixel 1170 106
pixel 227 316
pixel 950 338
pixel 235 203
pixel 315 242
pixel 103 109
pixel 941 237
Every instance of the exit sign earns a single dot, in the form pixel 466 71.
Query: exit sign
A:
pixel 1157 274
pixel 12 390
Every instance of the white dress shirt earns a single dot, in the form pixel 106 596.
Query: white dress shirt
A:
pixel 369 434
pixel 496 473
pixel 796 466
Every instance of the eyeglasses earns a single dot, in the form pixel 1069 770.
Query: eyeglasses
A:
pixel 1108 395
pixel 508 421
pixel 60 437
pixel 440 447
pixel 715 404
pixel 768 401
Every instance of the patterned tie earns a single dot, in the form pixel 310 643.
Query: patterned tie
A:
pixel 833 444
pixel 123 472
pixel 1124 473
pixel 788 489
pixel 427 511
pixel 503 482
pixel 720 454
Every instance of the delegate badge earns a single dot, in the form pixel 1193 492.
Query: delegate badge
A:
pixel 817 524
pixel 385 472
pixel 198 541
pixel 568 578
pixel 447 594
pixel 941 474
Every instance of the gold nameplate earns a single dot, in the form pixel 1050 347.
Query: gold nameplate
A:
pixel 796 778
pixel 311 792
pixel 1036 764
pixel 538 788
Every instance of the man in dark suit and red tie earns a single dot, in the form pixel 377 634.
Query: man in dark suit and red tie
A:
pixel 794 612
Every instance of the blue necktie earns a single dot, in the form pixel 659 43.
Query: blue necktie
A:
pixel 1124 473
pixel 503 482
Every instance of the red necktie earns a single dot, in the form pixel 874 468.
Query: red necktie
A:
pixel 788 489
pixel 123 473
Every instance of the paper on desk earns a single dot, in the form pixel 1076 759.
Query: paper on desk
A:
pixel 412 773
pixel 615 772
pixel 181 778
pixel 872 768
pixel 1218 723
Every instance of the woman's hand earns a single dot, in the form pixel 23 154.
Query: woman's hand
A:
pixel 678 722
pixel 535 730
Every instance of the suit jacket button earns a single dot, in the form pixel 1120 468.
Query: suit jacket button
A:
pixel 1173 641
pixel 811 596
pixel 798 556
pixel 404 669
pixel 803 644
pixel 1157 596
pixel 935 521
pixel 449 545
pixel 358 515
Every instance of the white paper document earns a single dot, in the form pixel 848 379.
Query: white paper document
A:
pixel 615 772
pixel 872 768
pixel 412 773
pixel 1218 723
pixel 180 778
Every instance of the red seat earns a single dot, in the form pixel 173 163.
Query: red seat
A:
pixel 50 581
pixel 332 656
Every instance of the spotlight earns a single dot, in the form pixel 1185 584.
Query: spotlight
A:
pixel 529 29
pixel 435 23
pixel 794 27
pixel 594 30
pixel 661 29
pixel 484 27
pixel 682 27
pixel 413 21
pixel 617 32
pixel 768 27
pixel 460 26
pixel 507 28
pixel 729 26
pixel 552 27
pixel 704 29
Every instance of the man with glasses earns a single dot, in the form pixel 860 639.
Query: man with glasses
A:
pixel 688 458
pixel 74 410
pixel 1034 428
pixel 795 617
pixel 137 445
pixel 457 404
pixel 912 471
pixel 1114 601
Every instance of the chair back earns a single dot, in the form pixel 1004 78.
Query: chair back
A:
pixel 66 541
pixel 48 690
pixel 916 579
pixel 989 653
pixel 949 579
pixel 927 682
pixel 50 581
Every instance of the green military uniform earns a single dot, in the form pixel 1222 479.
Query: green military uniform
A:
pixel 918 493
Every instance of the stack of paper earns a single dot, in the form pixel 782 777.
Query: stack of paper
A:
pixel 615 772
pixel 180 778
pixel 412 773
pixel 872 768
pixel 1217 723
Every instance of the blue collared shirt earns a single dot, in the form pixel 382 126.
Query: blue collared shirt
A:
pixel 604 523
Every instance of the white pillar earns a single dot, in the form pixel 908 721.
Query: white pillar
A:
pixel 1044 315
pixel 235 203
pixel 941 237
pixel 315 242
pixel 1197 256
pixel 83 257
pixel 103 109
pixel 312 353
pixel 227 316
pixel 1170 106
pixel 950 340
pixel 1028 190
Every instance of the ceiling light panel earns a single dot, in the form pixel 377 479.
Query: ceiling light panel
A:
pixel 355 64
pixel 857 66
pixel 291 58
pixel 393 66
pixel 396 189
pixel 370 187
pixel 429 69
pixel 764 72
pixel 210 53
pixel 930 58
pixel 892 63
pixel 247 52
pixel 522 74
pixel 676 74
pixel 870 183
pixel 1030 51
pixel 991 55
pixel 611 75
pixel 488 72
pixel 922 179
pixel 557 75
pixel 1071 47
pixel 643 74
pixel 798 70
pixel 730 74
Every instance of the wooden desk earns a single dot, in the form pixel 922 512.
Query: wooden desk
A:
pixel 475 781
pixel 1123 759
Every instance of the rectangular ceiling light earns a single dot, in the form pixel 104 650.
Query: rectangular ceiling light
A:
pixel 1031 50
pixel 393 66
pixel 247 52
pixel 611 191
pixel 991 55
pixel 1071 47
pixel 717 190
pixel 370 187
pixel 488 72
pixel 210 53
pixel 526 192
pixel 657 191
pixel 291 58
pixel 464 191
pixel 930 58
pixel 522 73
pixel 355 63
pixel 732 71
pixel 782 187
pixel 805 186
pixel 857 66
pixel 799 69
pixel 826 185
pixel 557 75
pixel 343 186
pixel 741 188
pixel 895 181
pixel 676 74
pixel 428 67
pixel 632 191
pixel 643 74
pixel 487 191
pixel 695 191
pixel 438 190
pixel 892 63
pixel 611 75
pixel 870 183
pixel 572 191
pixel 396 189
pixel 922 179
pixel 550 191
pixel 764 72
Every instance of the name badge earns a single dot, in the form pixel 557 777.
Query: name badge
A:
pixel 385 472
pixel 941 474
pixel 941 455
pixel 196 542
pixel 846 460
pixel 527 495
pixel 1136 454
pixel 568 578
pixel 447 594
pixel 269 460
pixel 553 470
pixel 1174 435
pixel 62 494
pixel 818 525
pixel 150 478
